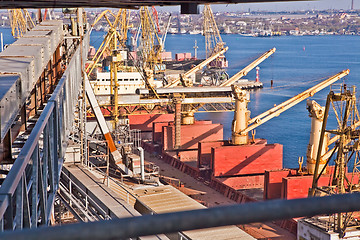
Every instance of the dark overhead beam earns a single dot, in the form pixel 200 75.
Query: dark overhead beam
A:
pixel 189 8
pixel 117 3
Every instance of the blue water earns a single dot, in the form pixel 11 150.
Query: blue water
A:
pixel 7 37
pixel 298 64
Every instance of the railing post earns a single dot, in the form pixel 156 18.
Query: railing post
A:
pixel 34 187
pixel 51 151
pixel 19 204
pixel 56 145
pixel 26 205
pixel 45 161
pixel 70 190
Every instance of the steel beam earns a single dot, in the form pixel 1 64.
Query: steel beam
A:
pixel 115 4
pixel 196 219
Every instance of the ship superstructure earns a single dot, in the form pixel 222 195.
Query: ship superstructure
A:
pixel 128 82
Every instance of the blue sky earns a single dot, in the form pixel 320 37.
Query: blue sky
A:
pixel 302 5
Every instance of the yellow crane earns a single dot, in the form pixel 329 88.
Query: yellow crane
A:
pixel 115 38
pixel 213 40
pixel 188 117
pixel 151 46
pixel 248 68
pixel 241 125
pixel 20 22
pixel 184 77
pixel 215 72
pixel 228 82
pixel 112 47
pixel 345 153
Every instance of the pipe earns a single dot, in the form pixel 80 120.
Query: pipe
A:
pixel 177 119
pixel 237 214
pixel 142 163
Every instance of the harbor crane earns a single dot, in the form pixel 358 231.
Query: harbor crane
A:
pixel 113 46
pixel 114 39
pixel 248 68
pixel 215 70
pixel 242 125
pixel 184 78
pixel 316 112
pixel 188 117
pixel 20 22
pixel 151 45
pixel 228 82
pixel 213 40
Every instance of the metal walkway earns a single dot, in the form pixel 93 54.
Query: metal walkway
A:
pixel 102 196
pixel 31 180
pixel 90 198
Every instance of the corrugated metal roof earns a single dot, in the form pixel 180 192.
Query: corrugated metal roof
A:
pixel 227 232
pixel 164 199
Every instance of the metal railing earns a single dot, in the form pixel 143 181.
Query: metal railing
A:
pixel 124 228
pixel 28 192
pixel 124 193
pixel 87 208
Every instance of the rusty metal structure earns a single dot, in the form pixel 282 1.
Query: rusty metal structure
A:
pixel 345 153
pixel 213 40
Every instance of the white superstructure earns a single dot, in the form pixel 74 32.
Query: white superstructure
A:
pixel 128 83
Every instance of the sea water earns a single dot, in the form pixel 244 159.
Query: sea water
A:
pixel 299 63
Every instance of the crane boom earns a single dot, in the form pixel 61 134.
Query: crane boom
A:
pixel 196 68
pixel 100 16
pixel 276 111
pixel 248 68
pixel 241 126
pixel 237 76
pixel 163 38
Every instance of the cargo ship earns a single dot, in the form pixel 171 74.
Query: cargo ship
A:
pixel 198 149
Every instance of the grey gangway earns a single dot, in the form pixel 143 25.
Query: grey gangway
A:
pixel 28 192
